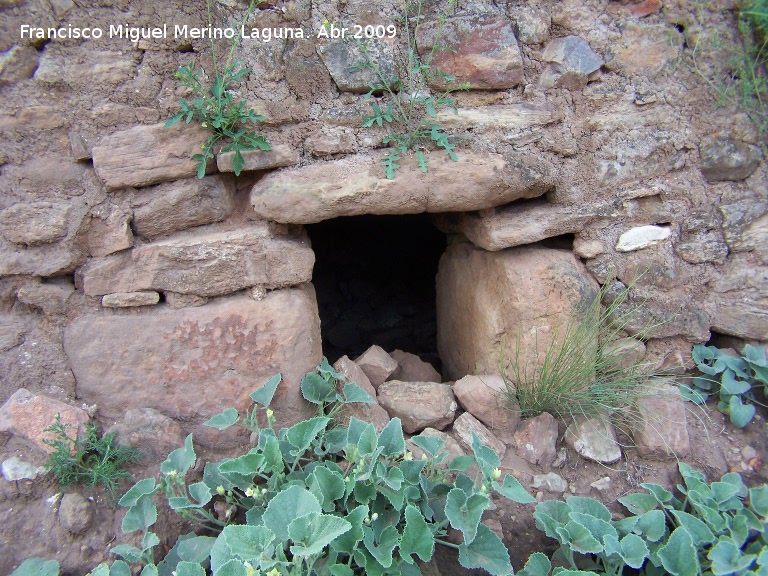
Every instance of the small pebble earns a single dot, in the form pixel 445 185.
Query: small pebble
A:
pixel 748 453
pixel 602 484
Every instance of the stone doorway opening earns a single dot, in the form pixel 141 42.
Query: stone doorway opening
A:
pixel 375 283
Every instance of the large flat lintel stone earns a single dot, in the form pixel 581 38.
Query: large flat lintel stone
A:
pixel 516 116
pixel 205 264
pixel 356 185
pixel 526 223
pixel 193 363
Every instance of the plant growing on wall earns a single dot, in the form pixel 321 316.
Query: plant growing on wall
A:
pixel 89 460
pixel 408 107
pixel 215 108
pixel 734 379
pixel 717 528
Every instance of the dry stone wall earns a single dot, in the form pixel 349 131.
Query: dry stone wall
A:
pixel 127 283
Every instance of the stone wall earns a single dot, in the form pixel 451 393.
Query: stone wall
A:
pixel 127 283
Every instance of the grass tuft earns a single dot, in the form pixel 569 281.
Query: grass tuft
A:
pixel 580 373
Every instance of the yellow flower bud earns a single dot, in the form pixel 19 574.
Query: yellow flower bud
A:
pixel 220 490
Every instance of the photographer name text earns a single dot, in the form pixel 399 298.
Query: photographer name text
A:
pixel 176 31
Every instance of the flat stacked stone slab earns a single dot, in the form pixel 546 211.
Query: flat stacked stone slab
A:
pixel 210 263
pixel 356 185
pixel 193 363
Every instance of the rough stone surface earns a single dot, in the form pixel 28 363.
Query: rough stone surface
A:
pixel 35 223
pixel 518 116
pixel 146 155
pixel 742 224
pixel 109 230
pixel 411 368
pixel 75 513
pixel 173 206
pixel 28 415
pixel 153 434
pixel 702 251
pixel 16 64
pixel 280 155
pixel 418 404
pixel 642 237
pixel 50 298
pixel 519 224
pixel 193 363
pixel 485 53
pixel 594 439
pixel 130 299
pixel 377 365
pixel 178 301
pixel 484 397
pixel 724 158
pixel 536 440
pixel 571 60
pixel 355 186
pixel 624 352
pixel 644 49
pixel 15 469
pixel 372 413
pixel 206 264
pixel 466 424
pixel 337 140
pixel 11 334
pixel 339 56
pixel 530 291
pixel 584 248
pixel 533 25
pixel 452 448
pixel 550 482
pixel 661 430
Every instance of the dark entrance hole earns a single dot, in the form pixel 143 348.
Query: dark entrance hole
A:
pixel 375 283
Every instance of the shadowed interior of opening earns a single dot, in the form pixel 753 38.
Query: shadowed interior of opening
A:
pixel 375 283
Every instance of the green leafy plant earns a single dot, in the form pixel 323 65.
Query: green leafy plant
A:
pixel 739 376
pixel 716 529
pixel 215 108
pixel 740 72
pixel 89 460
pixel 581 373
pixel 316 498
pixel 408 106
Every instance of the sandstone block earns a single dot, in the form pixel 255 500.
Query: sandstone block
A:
pixel 485 51
pixel 50 298
pixel 333 141
pixel 572 60
pixel 644 49
pixel 377 365
pixel 526 223
pixel 193 363
pixel 661 430
pixel 724 158
pixel 11 333
pixel 339 57
pixel 145 155
pixel 34 223
pixel 593 438
pixel 355 185
pixel 536 440
pixel 519 116
pixel 204 264
pixel 484 397
pixel 533 25
pixel 744 225
pixel 525 300
pixel 466 424
pixel 411 368
pixel 16 64
pixel 178 301
pixel 28 415
pixel 130 299
pixel 174 206
pixel 372 413
pixel 702 251
pixel 153 434
pixel 624 352
pixel 418 404
pixel 109 231
pixel 280 155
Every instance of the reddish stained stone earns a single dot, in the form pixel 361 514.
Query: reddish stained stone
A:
pixel 486 51
pixel 645 8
